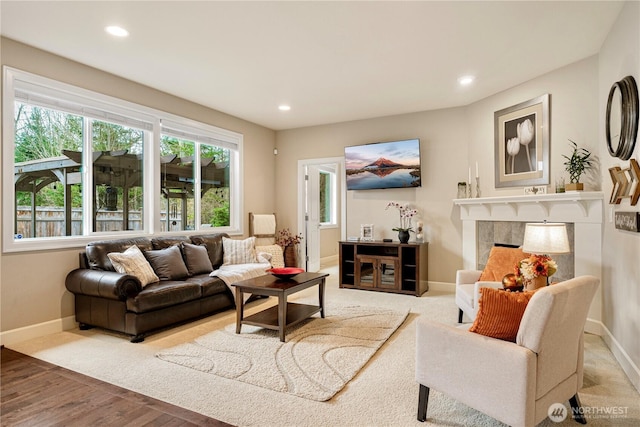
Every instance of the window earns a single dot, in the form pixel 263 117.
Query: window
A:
pixel 85 165
pixel 327 196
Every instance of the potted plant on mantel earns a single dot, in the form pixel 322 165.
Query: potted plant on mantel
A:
pixel 576 166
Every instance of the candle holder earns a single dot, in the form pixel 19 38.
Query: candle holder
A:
pixel 469 190
pixel 477 187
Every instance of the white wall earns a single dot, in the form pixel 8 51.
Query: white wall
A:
pixel 443 138
pixel 620 57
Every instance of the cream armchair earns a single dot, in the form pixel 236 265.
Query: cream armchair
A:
pixel 513 382
pixel 501 261
pixel 468 292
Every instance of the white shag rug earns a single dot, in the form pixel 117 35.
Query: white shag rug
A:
pixel 318 359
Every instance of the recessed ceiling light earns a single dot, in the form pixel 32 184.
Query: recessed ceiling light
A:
pixel 466 80
pixel 114 30
pixel 284 107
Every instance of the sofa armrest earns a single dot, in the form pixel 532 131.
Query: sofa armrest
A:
pixel 103 284
pixel 467 277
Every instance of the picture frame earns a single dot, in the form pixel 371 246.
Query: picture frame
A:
pixel 366 232
pixel 521 135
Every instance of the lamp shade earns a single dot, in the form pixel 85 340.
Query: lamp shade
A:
pixel 545 238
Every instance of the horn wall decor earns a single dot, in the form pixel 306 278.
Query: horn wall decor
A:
pixel 626 183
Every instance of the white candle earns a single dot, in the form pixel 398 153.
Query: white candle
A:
pixel 469 175
pixel 476 169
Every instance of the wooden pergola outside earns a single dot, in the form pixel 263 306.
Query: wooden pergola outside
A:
pixel 115 169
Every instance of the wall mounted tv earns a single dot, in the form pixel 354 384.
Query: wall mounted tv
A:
pixel 393 164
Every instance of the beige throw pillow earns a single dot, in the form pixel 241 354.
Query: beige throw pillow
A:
pixel 239 251
pixel 277 257
pixel 133 262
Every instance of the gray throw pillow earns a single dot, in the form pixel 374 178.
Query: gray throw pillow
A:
pixel 197 259
pixel 167 263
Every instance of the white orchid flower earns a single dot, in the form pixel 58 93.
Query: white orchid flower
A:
pixel 513 148
pixel 525 135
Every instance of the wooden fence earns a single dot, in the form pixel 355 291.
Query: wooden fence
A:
pixel 50 221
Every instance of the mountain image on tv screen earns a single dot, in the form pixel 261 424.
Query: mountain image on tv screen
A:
pixel 394 164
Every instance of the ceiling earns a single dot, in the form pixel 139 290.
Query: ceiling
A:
pixel 331 61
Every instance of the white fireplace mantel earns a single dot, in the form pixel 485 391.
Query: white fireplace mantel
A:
pixel 579 206
pixel 585 209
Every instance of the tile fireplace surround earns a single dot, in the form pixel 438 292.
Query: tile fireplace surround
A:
pixel 583 209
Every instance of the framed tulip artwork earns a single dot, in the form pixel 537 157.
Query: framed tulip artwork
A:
pixel 522 144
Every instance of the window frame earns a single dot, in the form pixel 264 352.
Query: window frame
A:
pixel 66 97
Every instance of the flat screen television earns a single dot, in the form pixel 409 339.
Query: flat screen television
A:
pixel 393 164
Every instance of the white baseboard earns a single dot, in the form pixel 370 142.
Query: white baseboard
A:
pixel 628 366
pixel 329 260
pixel 35 331
pixel 447 287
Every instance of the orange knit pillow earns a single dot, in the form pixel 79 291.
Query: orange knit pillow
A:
pixel 501 262
pixel 500 313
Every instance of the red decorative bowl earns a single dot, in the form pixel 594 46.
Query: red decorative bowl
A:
pixel 285 272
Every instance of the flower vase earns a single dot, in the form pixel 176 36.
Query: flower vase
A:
pixel 290 256
pixel 403 236
pixel 536 283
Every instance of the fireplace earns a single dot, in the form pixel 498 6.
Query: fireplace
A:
pixel 490 220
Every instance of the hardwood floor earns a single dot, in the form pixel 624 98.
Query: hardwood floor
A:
pixel 37 393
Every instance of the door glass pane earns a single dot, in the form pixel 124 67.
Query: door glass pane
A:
pixel 117 177
pixel 215 202
pixel 47 168
pixel 325 197
pixel 387 273
pixel 177 208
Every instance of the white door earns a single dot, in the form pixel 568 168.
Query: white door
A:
pixel 309 206
pixel 312 218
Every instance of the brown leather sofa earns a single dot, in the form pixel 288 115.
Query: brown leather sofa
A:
pixel 118 302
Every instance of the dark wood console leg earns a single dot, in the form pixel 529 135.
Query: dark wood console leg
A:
pixel 84 326
pixel 423 402
pixel 576 409
pixel 459 316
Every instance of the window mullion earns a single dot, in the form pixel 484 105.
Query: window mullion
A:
pixel 88 221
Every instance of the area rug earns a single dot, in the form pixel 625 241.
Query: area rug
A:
pixel 317 360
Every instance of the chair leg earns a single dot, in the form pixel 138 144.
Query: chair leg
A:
pixel 576 409
pixel 423 402
pixel 459 315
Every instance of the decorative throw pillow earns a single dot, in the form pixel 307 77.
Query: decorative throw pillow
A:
pixel 500 313
pixel 167 263
pixel 197 259
pixel 501 262
pixel 133 262
pixel 239 251
pixel 277 257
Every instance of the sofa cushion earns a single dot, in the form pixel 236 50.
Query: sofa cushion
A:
pixel 97 252
pixel 209 285
pixel 167 263
pixel 197 259
pixel 500 313
pixel 239 251
pixel 213 243
pixel 501 262
pixel 277 256
pixel 133 262
pixel 164 294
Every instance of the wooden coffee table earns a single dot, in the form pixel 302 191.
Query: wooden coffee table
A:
pixel 284 314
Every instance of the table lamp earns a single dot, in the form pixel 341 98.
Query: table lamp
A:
pixel 546 238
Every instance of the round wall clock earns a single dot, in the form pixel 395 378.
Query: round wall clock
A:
pixel 622 118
